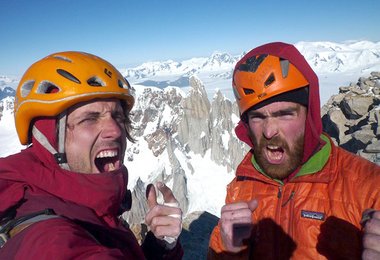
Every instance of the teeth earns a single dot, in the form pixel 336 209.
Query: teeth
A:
pixel 111 167
pixel 273 147
pixel 107 153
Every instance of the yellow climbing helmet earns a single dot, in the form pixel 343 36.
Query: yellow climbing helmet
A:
pixel 60 80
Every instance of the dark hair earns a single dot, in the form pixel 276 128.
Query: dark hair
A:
pixel 128 122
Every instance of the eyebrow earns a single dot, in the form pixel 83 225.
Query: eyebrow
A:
pixel 276 113
pixel 85 115
pixel 90 113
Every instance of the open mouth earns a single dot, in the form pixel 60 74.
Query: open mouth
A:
pixel 275 154
pixel 107 160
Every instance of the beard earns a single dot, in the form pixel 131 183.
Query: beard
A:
pixel 283 170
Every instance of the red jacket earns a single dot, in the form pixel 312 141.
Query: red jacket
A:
pixel 89 203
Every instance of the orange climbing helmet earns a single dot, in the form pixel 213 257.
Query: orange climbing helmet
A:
pixel 260 77
pixel 60 80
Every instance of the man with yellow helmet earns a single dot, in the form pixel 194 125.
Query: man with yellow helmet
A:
pixel 62 196
pixel 295 194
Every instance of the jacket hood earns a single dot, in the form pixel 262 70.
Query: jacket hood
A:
pixel 313 126
pixel 35 170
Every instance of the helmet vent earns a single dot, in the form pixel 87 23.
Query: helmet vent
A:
pixel 68 75
pixel 26 88
pixel 95 82
pixel 62 58
pixel 248 91
pixel 269 80
pixel 47 87
pixel 284 67
pixel 252 63
pixel 123 85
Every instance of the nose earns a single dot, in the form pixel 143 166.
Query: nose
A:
pixel 111 129
pixel 270 127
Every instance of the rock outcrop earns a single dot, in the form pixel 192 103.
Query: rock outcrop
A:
pixel 352 117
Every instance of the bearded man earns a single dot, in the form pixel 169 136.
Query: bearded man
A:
pixel 295 195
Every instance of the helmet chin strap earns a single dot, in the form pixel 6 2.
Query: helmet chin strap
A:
pixel 60 155
pixel 62 161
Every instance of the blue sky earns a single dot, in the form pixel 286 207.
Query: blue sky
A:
pixel 127 33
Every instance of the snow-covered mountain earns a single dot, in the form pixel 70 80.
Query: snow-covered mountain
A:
pixel 335 64
pixel 329 57
pixel 185 115
pixel 216 62
pixel 324 57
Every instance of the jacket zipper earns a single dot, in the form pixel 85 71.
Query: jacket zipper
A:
pixel 277 246
pixel 279 193
pixel 291 217
pixel 281 205
pixel 289 199
pixel 278 210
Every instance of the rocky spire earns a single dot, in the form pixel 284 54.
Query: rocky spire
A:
pixel 194 128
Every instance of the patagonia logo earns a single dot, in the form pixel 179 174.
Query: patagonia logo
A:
pixel 312 215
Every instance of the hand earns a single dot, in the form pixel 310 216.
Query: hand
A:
pixel 371 236
pixel 165 221
pixel 236 224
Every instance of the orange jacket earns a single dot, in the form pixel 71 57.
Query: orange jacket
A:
pixel 314 216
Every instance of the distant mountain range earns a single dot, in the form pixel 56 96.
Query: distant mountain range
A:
pixel 328 57
pixel 217 62
pixel 324 57
pixel 353 58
